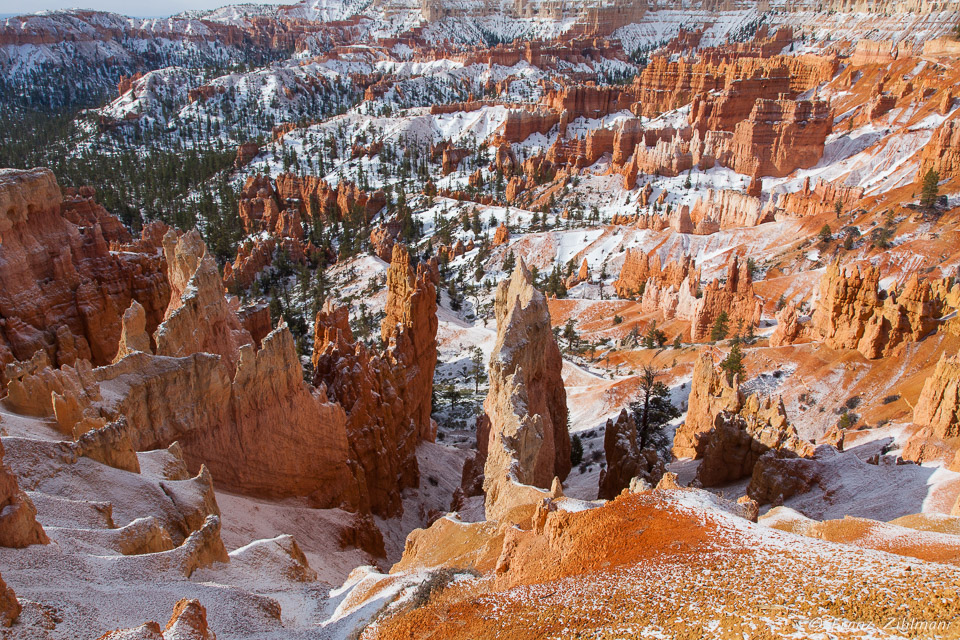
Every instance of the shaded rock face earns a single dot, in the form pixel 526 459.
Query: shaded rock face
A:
pixel 738 440
pixel 735 297
pixel 937 413
pixel 529 443
pixel 625 460
pixel 853 313
pixel 387 396
pixel 710 395
pixel 780 474
pixel 61 290
pixel 18 517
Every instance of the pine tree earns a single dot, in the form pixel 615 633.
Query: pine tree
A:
pixel 719 330
pixel 576 450
pixel 509 262
pixel 733 363
pixel 930 189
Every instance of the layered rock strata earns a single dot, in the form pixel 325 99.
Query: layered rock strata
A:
pixel 61 288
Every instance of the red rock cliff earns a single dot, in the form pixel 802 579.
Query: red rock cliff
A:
pixel 61 288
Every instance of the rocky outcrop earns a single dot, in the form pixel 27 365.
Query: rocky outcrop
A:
pixel 728 209
pixel 789 329
pixel 873 52
pixel 133 331
pixel 854 313
pixel 665 85
pixel 780 474
pixel 283 206
pixel 246 152
pixel 737 440
pixel 527 406
pixel 382 239
pixel 779 137
pixel 258 253
pixel 937 414
pixel 201 319
pixel 387 396
pixel 735 297
pixel 670 290
pixel 61 289
pixel 410 331
pixel 939 403
pixel 9 605
pixel 501 235
pixel 362 381
pixel 245 413
pixel 625 460
pixel 710 395
pixel 18 517
pixel 822 199
pixel 520 124
pixel 639 268
pixel 942 153
pixel 188 622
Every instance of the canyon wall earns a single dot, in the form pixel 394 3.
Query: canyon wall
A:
pixel 62 290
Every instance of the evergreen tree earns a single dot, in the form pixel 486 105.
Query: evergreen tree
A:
pixel 719 329
pixel 576 450
pixel 653 410
pixel 930 189
pixel 509 262
pixel 733 363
